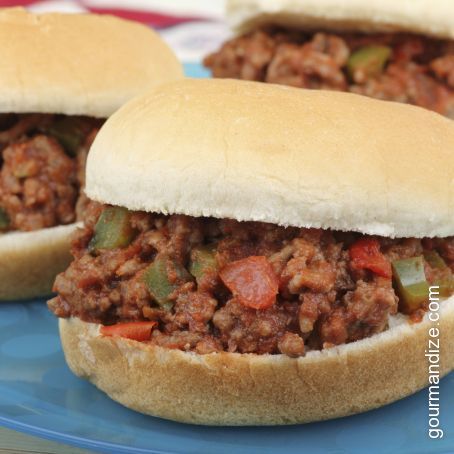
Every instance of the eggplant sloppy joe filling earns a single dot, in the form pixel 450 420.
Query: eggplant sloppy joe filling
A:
pixel 396 67
pixel 42 166
pixel 207 285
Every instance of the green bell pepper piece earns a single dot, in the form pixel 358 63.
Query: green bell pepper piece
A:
pixel 163 277
pixel 370 60
pixel 70 132
pixel 203 260
pixel 445 281
pixel 411 283
pixel 113 230
pixel 434 259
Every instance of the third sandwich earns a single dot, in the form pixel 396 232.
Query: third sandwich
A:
pixel 386 49
pixel 271 267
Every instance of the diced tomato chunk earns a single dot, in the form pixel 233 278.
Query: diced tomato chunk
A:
pixel 365 254
pixel 139 331
pixel 252 281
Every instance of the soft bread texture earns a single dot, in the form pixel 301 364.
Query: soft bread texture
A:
pixel 262 152
pixel 427 17
pixel 29 261
pixel 248 389
pixel 77 64
pixel 70 64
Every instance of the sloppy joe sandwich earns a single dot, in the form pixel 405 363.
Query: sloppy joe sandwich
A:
pixel 392 50
pixel 61 75
pixel 260 254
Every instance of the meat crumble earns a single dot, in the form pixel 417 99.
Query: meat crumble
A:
pixel 405 68
pixel 42 165
pixel 221 285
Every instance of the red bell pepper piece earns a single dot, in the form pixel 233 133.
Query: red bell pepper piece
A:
pixel 138 331
pixel 252 281
pixel 365 254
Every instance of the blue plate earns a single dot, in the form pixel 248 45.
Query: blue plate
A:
pixel 40 396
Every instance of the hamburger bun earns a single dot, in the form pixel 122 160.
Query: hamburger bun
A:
pixel 72 64
pixel 248 389
pixel 29 261
pixel 290 157
pixel 432 18
pixel 276 154
pixel 78 64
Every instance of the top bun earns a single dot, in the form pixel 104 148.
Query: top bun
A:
pixel 427 17
pixel 77 64
pixel 262 152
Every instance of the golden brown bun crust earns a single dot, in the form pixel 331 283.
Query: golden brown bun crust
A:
pixel 427 17
pixel 77 63
pixel 262 152
pixel 29 261
pixel 235 389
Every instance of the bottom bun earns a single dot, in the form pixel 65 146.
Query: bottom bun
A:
pixel 248 389
pixel 29 261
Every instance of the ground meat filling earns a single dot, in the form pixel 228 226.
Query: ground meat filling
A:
pixel 405 68
pixel 42 163
pixel 222 285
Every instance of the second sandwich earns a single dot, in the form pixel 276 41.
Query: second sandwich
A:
pixel 61 76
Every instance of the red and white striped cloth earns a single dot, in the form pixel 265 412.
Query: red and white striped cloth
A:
pixel 193 28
